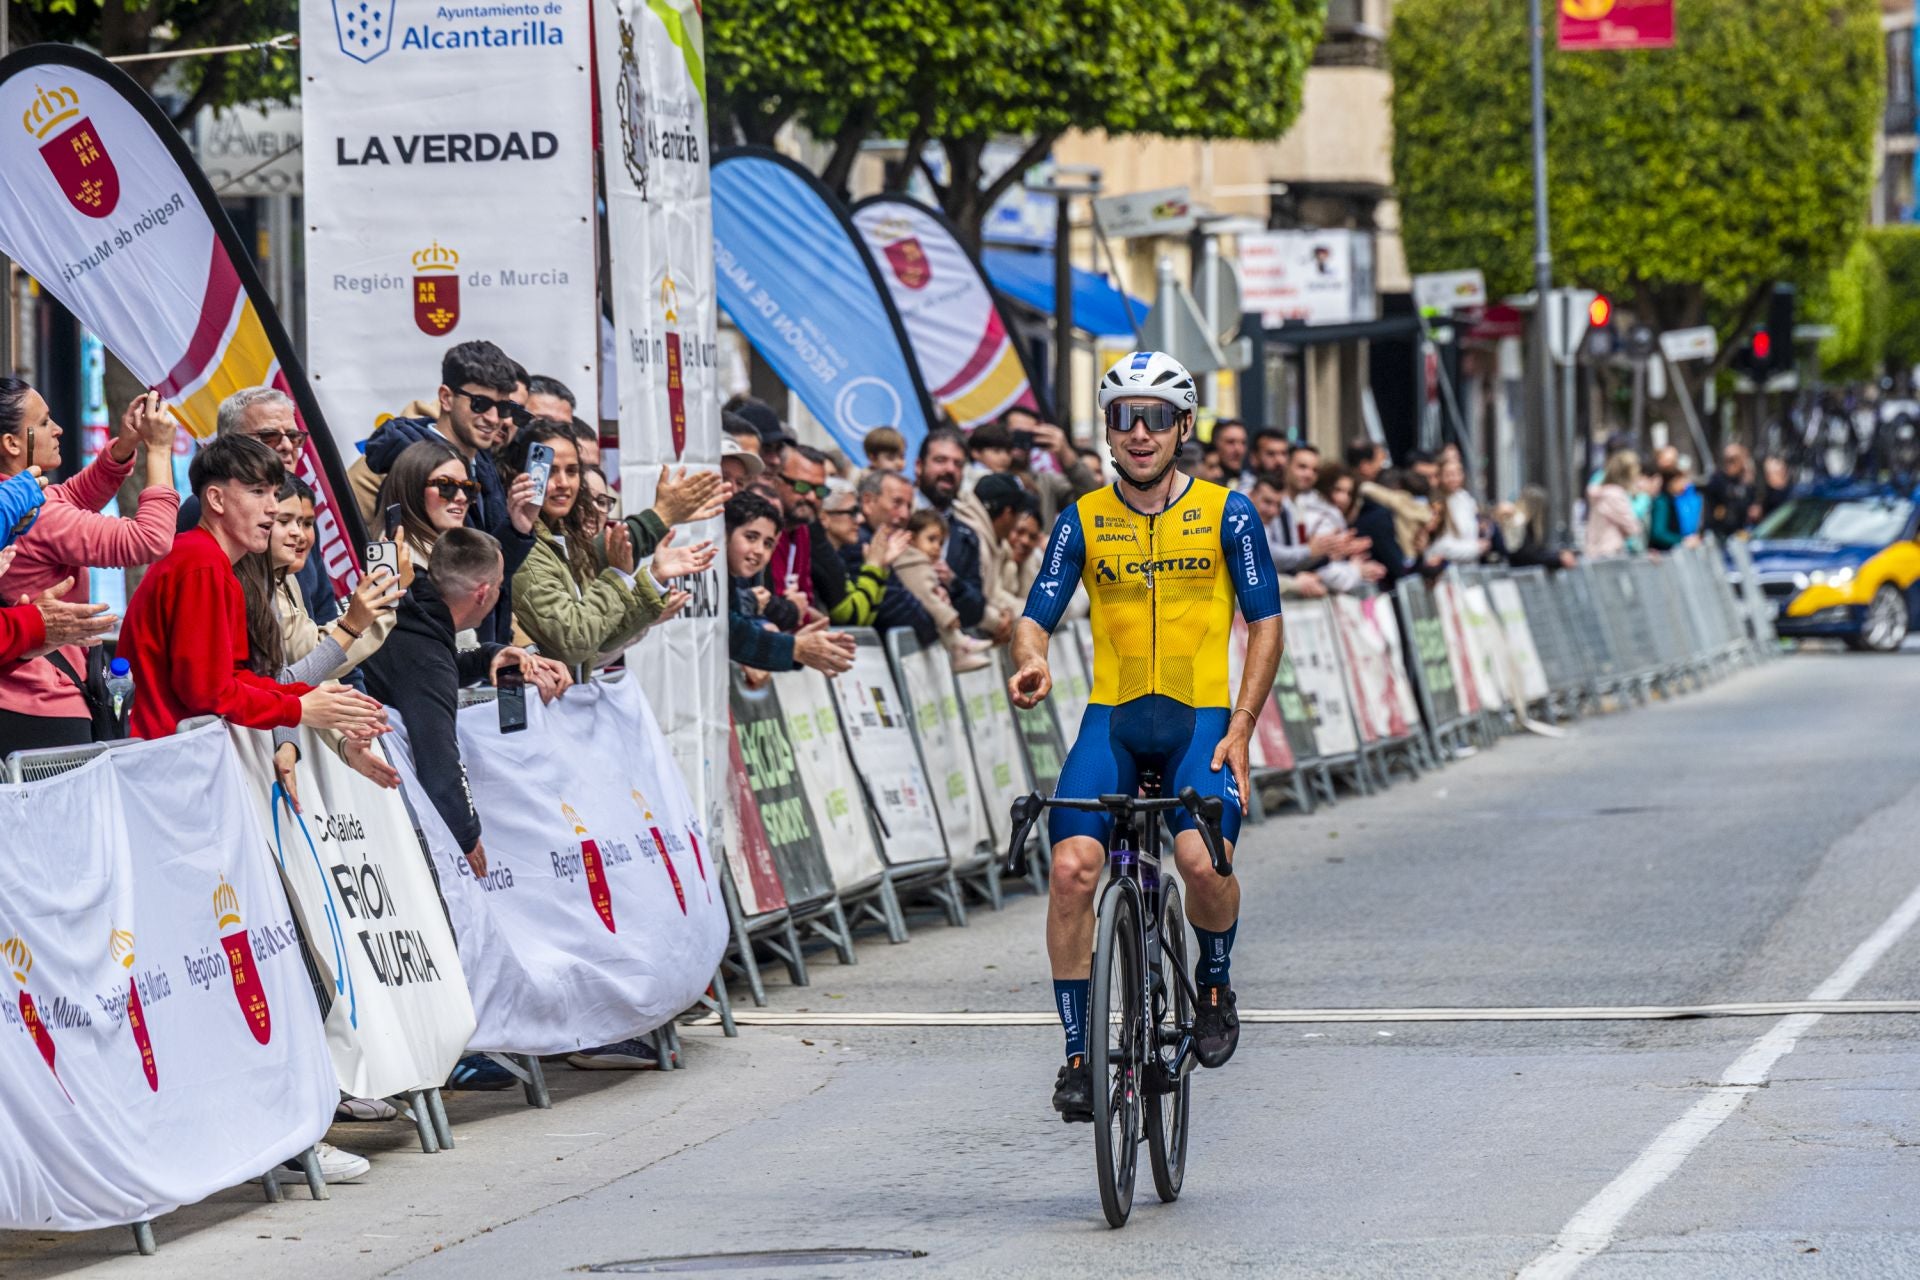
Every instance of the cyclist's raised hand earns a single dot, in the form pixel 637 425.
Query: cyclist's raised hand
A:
pixel 1030 684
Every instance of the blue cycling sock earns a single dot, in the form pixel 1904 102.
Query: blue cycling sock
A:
pixel 1070 1001
pixel 1216 956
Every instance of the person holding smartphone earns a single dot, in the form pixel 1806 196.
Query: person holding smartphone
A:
pixel 52 701
pixel 575 598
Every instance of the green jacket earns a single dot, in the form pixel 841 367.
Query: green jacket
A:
pixel 573 622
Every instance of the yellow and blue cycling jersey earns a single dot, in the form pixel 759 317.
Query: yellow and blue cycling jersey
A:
pixel 1163 590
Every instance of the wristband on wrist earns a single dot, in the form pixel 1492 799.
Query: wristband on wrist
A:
pixel 1242 711
pixel 342 625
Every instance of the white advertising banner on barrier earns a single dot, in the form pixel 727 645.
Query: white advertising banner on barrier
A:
pixel 926 678
pixel 449 196
pixel 1386 624
pixel 995 737
pixel 651 70
pixel 827 777
pixel 881 745
pixel 1528 673
pixel 1486 647
pixel 158 1033
pixel 1316 663
pixel 599 917
pixel 400 1015
pixel 1369 677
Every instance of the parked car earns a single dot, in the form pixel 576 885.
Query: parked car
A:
pixel 1841 561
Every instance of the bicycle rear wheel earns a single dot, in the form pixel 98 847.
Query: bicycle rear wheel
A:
pixel 1115 1038
pixel 1172 1018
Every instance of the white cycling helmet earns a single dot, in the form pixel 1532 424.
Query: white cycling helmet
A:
pixel 1149 373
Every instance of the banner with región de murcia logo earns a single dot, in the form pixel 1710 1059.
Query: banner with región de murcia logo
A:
pixel 600 914
pixel 102 203
pixel 449 197
pixel 394 996
pixel 967 358
pixel 653 139
pixel 158 1033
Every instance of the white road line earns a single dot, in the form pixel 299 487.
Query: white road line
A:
pixel 1572 1013
pixel 1592 1229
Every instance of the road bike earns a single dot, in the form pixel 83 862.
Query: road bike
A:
pixel 1140 1045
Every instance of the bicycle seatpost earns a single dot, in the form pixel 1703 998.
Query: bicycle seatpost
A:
pixel 1206 811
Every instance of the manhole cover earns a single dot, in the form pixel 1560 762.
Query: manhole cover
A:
pixel 751 1261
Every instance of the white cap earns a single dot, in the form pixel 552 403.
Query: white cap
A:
pixel 730 448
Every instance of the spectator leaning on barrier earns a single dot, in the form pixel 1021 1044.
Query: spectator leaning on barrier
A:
pixel 60 700
pixel 941 469
pixel 1230 447
pixel 1677 506
pixel 1270 452
pixel 1376 520
pixel 850 590
pixel 886 501
pixel 990 510
pixel 1321 510
pixel 753 524
pixel 1612 527
pixel 1055 490
pixel 268 415
pixel 801 481
pixel 185 635
pixel 419 672
pixel 1021 541
pixel 1457 536
pixel 1732 493
pixel 572 599
pixel 1365 461
pixel 549 398
pixel 430 486
pixel 926 546
pixel 1530 541
pixel 886 450
pixel 475 409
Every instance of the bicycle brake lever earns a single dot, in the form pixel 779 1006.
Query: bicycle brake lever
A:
pixel 1206 812
pixel 1025 810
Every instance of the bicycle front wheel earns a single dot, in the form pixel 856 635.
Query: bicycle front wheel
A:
pixel 1172 1019
pixel 1116 1053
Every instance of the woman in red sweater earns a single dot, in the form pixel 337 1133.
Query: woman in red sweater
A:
pixel 40 705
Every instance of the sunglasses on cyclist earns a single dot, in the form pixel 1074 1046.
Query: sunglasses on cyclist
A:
pixel 1157 417
pixel 804 487
pixel 482 405
pixel 272 439
pixel 454 490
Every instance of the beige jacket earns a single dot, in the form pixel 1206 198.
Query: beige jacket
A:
pixel 1410 515
pixel 914 571
pixel 1002 602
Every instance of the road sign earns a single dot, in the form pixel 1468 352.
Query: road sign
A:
pixel 1449 291
pixel 1216 288
pixel 1700 343
pixel 1569 313
pixel 1166 212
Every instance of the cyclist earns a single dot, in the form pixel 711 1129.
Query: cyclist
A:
pixel 1164 557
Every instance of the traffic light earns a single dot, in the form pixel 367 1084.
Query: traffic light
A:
pixel 1599 311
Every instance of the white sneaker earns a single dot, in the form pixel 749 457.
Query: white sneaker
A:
pixel 335 1165
pixel 365 1109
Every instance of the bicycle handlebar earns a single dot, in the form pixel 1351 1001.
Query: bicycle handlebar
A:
pixel 1204 810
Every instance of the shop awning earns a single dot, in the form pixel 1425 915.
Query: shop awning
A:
pixel 1314 335
pixel 1027 278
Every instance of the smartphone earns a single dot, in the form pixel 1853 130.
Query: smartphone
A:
pixel 511 684
pixel 1023 440
pixel 394 519
pixel 539 466
pixel 384 555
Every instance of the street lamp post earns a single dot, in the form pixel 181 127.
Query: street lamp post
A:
pixel 1549 435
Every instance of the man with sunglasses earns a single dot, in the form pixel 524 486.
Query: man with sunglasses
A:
pixel 481 395
pixel 1165 558
pixel 800 478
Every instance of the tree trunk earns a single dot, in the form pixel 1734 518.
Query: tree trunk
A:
pixel 846 150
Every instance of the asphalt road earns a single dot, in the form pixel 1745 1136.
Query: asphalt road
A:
pixel 1737 844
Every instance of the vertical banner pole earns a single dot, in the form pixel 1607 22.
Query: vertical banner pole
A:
pixel 1542 253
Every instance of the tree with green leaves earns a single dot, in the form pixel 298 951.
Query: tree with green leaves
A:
pixel 1685 181
pixel 119 27
pixel 961 74
pixel 1853 300
pixel 1898 249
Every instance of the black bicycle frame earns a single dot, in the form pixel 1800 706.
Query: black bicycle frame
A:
pixel 1133 866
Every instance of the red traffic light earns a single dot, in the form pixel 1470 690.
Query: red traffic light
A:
pixel 1599 311
pixel 1762 345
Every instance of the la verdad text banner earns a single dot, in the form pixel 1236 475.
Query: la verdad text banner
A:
pixel 449 196
pixel 101 202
